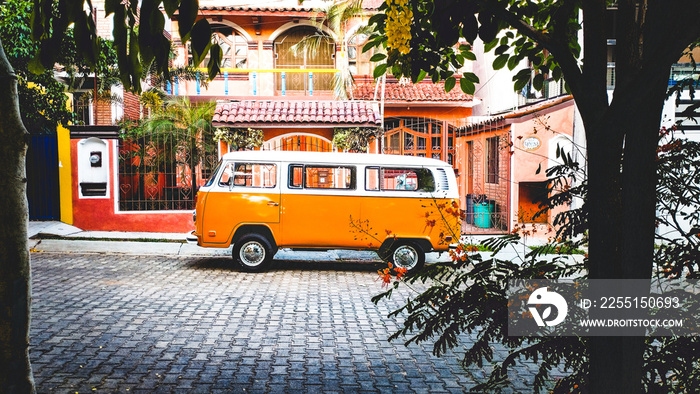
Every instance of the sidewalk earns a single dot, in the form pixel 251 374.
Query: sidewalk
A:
pixel 64 238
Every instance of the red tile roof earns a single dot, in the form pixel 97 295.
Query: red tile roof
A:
pixel 261 113
pixel 279 6
pixel 409 92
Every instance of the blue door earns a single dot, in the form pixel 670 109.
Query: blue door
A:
pixel 42 177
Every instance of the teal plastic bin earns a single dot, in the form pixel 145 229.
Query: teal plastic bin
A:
pixel 482 214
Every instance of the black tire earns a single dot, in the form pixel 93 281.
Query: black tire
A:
pixel 253 253
pixel 408 255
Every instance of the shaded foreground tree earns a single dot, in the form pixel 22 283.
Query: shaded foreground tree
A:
pixel 140 44
pixel 429 38
pixel 15 281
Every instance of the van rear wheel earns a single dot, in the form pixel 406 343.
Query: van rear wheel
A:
pixel 253 253
pixel 408 255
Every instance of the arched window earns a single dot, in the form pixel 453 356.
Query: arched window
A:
pixel 321 58
pixel 358 62
pixel 234 47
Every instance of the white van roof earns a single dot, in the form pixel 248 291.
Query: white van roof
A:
pixel 335 158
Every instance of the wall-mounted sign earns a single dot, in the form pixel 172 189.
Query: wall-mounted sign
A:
pixel 531 143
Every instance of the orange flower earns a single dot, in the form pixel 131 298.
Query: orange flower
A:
pixel 400 272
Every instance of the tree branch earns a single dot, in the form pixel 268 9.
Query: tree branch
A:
pixel 561 52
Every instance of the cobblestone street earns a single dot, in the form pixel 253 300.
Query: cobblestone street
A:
pixel 114 323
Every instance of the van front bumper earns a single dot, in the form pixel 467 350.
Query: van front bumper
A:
pixel 192 238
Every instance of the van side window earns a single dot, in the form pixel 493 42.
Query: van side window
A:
pixel 250 175
pixel 319 177
pixel 296 176
pixel 372 179
pixel 412 179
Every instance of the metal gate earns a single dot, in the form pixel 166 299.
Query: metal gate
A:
pixel 42 177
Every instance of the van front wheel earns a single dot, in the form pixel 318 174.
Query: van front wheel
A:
pixel 253 253
pixel 408 255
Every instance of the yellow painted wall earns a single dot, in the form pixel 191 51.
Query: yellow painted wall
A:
pixel 65 182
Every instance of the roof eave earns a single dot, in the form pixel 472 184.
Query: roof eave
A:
pixel 287 125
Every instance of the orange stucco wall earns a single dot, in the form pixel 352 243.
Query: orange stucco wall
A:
pixel 98 214
pixel 551 126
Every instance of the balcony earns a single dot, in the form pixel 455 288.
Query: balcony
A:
pixel 316 82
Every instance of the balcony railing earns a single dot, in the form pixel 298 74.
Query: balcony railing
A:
pixel 288 79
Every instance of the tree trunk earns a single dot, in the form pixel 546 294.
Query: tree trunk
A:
pixel 622 198
pixel 15 276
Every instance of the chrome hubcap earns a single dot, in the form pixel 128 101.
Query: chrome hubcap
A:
pixel 406 257
pixel 252 253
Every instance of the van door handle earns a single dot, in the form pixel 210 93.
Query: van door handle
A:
pixel 273 204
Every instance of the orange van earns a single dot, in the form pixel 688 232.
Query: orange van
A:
pixel 260 201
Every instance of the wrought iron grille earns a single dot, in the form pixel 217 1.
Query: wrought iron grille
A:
pixel 164 171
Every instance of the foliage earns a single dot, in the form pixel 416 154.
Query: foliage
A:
pixel 77 70
pixel 354 139
pixel 541 40
pixel 467 294
pixel 40 95
pixel 433 38
pixel 678 193
pixel 138 36
pixel 180 134
pixel 240 138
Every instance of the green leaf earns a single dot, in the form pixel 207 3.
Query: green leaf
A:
pixel 170 7
pixel 188 14
pixel 213 67
pixel 157 22
pixel 84 42
pixel 35 65
pixel 421 76
pixel 522 78
pixel 469 56
pixel 501 49
pixel 371 44
pixel 111 6
pixel 450 84
pixel 500 62
pixel 538 82
pixel 490 45
pixel 380 70
pixel 378 57
pixel 513 62
pixel 488 29
pixel 556 73
pixel 135 69
pixel 201 40
pixel 467 86
pixel 377 19
pixel 471 77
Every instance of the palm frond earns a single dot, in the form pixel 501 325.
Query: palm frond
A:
pixel 310 45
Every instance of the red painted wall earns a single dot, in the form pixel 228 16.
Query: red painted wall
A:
pixel 98 214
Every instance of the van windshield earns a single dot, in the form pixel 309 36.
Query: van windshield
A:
pixel 214 174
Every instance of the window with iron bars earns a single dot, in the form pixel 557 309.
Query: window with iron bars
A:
pixel 163 172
